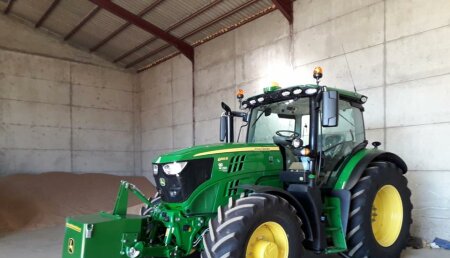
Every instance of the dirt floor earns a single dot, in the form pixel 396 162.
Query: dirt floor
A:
pixel 46 243
pixel 30 202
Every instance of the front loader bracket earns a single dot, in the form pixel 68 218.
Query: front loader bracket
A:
pixel 121 206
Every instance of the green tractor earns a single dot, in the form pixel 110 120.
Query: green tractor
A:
pixel 303 180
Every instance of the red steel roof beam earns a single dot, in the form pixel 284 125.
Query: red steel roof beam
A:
pixel 89 16
pixel 172 27
pixel 286 8
pixel 124 26
pixel 47 13
pixel 184 47
pixel 8 6
pixel 213 36
pixel 206 25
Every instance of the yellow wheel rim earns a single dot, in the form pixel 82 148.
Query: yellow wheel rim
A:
pixel 387 215
pixel 269 240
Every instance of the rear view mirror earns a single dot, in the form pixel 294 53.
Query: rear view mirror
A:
pixel 223 128
pixel 226 107
pixel 330 109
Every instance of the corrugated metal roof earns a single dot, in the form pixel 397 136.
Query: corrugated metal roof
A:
pixel 164 14
pixel 30 9
pixel 100 26
pixel 67 15
pixel 170 12
pixel 140 53
pixel 135 6
pixel 161 54
pixel 128 39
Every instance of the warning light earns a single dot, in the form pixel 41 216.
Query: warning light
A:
pixel 273 87
pixel 318 73
pixel 240 94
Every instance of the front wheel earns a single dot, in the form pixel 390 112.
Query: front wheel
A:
pixel 380 214
pixel 258 226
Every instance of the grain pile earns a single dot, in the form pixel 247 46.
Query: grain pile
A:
pixel 37 201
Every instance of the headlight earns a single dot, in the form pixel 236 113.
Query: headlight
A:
pixel 174 168
pixel 155 170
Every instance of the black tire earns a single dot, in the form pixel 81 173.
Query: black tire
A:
pixel 230 231
pixel 361 240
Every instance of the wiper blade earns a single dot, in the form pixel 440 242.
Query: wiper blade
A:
pixel 260 115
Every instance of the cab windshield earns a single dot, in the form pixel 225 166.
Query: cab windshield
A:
pixel 290 115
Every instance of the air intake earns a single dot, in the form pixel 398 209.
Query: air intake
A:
pixel 236 163
pixel 231 188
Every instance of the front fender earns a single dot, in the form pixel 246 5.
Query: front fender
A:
pixel 354 168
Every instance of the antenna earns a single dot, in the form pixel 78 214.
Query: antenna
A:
pixel 348 67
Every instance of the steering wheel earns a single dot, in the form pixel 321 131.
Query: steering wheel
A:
pixel 282 133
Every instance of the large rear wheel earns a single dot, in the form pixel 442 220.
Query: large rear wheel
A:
pixel 258 226
pixel 380 214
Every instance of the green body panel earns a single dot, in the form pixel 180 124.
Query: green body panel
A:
pixel 346 170
pixel 332 204
pixel 210 150
pixel 334 230
pixel 110 235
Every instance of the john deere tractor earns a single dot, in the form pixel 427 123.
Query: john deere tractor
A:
pixel 304 179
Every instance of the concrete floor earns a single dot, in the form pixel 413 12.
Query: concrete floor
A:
pixel 46 243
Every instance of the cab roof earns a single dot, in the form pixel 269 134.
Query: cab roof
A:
pixel 275 94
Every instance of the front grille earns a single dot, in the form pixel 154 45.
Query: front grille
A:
pixel 178 188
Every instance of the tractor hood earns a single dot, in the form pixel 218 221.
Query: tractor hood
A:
pixel 177 182
pixel 205 151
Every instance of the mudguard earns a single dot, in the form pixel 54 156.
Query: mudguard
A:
pixel 353 170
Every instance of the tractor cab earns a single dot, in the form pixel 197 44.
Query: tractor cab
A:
pixel 316 127
pixel 287 123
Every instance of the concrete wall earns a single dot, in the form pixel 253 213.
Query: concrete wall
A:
pixel 166 109
pixel 397 53
pixel 62 109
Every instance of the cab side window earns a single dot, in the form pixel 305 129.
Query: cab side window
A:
pixel 338 142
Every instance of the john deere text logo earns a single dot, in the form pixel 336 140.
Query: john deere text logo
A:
pixel 71 246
